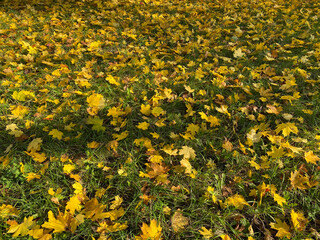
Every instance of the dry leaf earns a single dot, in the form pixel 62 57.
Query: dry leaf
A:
pixel 178 221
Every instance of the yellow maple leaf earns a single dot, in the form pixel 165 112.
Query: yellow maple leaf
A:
pixel 276 152
pixel 210 191
pixel 107 227
pixel 150 232
pixel 120 136
pixel 298 220
pixel 155 135
pixel 225 237
pixel 143 125
pixel 169 149
pixel 117 202
pixel 310 157
pixel 280 200
pixel 93 144
pixel 8 210
pixel 32 175
pixel 22 228
pixel 223 109
pixel 68 168
pixel 38 157
pixel 113 214
pixel 145 109
pixel 253 137
pixel 75 222
pixel 56 134
pixel 35 145
pixel 94 210
pixel 207 234
pixel 74 204
pixel 96 100
pixel 94 45
pixel 36 232
pixel 77 188
pixel 238 53
pixel 287 128
pixel 112 80
pixel 12 127
pixel 22 95
pixel 282 228
pixel 187 152
pixel 97 123
pixel 157 111
pixel 178 221
pixel 299 181
pixel 19 111
pixel 236 200
pixel 57 224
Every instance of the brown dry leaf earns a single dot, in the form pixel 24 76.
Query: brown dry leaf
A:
pixel 178 221
pixel 227 145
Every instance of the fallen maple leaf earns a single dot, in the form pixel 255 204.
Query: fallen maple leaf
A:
pixel 58 224
pixel 34 145
pixel 150 232
pixel 207 234
pixel 178 221
pixel 236 200
pixel 310 157
pixel 56 134
pixel 187 152
pixel 298 220
pixel 96 101
pixel 22 228
pixel 282 228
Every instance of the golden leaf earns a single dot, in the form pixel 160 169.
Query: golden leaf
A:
pixel 19 111
pixel 157 111
pixel 107 227
pixel 8 210
pixel 112 80
pixel 117 202
pixel 287 128
pixel 75 222
pixel 22 228
pixel 74 204
pixel 225 237
pixel 93 144
pixel 145 109
pixel 282 228
pixel 236 200
pixel 96 101
pixel 207 234
pixel 32 175
pixel 187 152
pixel 298 220
pixel 57 224
pixel 68 168
pixel 56 134
pixel 310 157
pixel 150 232
pixel 143 125
pixel 280 200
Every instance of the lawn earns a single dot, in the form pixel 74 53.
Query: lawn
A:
pixel 169 119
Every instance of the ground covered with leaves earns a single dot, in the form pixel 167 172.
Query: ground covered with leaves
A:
pixel 140 119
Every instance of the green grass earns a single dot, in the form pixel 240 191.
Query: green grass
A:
pixel 77 79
